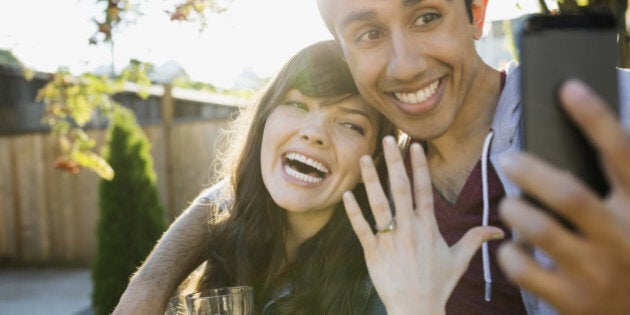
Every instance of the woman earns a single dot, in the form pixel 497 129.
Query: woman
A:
pixel 291 241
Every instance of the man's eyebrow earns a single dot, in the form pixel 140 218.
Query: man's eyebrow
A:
pixel 409 3
pixel 370 15
pixel 358 16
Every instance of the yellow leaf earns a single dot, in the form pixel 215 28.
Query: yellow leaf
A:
pixel 81 110
pixel 94 162
pixel 28 73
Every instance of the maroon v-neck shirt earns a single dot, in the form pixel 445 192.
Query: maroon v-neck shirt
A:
pixel 454 220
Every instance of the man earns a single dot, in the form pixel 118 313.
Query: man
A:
pixel 415 61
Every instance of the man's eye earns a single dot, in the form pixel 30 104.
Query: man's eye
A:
pixel 427 18
pixel 354 127
pixel 369 36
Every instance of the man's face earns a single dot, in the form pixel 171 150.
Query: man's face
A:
pixel 415 60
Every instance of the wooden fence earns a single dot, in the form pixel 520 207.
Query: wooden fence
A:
pixel 48 216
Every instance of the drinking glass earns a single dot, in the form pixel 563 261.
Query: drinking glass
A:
pixel 176 306
pixel 222 301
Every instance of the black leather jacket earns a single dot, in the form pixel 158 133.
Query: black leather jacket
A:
pixel 367 300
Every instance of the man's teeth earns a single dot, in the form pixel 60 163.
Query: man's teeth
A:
pixel 300 176
pixel 308 161
pixel 419 96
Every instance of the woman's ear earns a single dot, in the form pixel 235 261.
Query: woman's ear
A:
pixel 478 8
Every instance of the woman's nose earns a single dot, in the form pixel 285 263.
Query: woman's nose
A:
pixel 315 133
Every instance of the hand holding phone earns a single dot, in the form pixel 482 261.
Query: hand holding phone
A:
pixel 591 267
pixel 553 49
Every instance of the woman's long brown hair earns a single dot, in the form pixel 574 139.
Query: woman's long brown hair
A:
pixel 248 238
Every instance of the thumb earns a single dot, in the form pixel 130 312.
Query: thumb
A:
pixel 468 245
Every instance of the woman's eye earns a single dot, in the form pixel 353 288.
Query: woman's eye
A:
pixel 427 18
pixel 369 36
pixel 354 127
pixel 297 105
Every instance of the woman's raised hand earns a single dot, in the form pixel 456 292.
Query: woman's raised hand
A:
pixel 413 269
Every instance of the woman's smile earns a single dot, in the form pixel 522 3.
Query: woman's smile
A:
pixel 304 169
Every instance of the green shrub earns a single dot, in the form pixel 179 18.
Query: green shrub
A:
pixel 131 217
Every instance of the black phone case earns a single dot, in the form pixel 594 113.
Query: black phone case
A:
pixel 553 49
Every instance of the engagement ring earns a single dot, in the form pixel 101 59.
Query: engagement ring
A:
pixel 388 227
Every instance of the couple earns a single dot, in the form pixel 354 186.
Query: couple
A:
pixel 415 62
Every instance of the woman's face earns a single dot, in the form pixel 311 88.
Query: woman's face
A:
pixel 310 151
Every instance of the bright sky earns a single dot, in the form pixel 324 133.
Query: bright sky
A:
pixel 256 34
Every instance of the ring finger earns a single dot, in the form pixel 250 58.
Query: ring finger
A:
pixel 376 196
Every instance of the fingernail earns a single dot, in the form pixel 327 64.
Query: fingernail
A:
pixel 366 161
pixel 575 90
pixel 415 147
pixel 497 236
pixel 389 140
pixel 347 196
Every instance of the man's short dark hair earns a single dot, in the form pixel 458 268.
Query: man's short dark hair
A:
pixel 468 4
pixel 469 9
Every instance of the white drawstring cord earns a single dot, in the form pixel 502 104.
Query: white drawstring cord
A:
pixel 486 212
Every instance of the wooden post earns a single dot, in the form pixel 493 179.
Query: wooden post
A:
pixel 167 123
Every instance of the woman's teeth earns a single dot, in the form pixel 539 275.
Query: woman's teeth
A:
pixel 304 168
pixel 301 176
pixel 308 161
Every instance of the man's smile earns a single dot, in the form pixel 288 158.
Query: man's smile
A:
pixel 420 95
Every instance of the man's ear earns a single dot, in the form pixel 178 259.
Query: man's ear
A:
pixel 479 17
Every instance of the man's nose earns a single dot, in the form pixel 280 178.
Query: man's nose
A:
pixel 405 58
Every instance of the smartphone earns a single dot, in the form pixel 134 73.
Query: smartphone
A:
pixel 552 49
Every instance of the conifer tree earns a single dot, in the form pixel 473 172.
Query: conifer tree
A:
pixel 131 217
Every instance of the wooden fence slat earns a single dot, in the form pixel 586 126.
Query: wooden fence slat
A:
pixel 85 216
pixel 60 206
pixel 168 108
pixel 7 202
pixel 193 154
pixel 29 163
pixel 155 134
pixel 86 209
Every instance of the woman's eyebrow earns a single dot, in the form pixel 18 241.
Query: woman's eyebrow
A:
pixel 356 112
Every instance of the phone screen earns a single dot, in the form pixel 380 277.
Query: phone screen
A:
pixel 552 49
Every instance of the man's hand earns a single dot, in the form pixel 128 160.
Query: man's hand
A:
pixel 592 267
